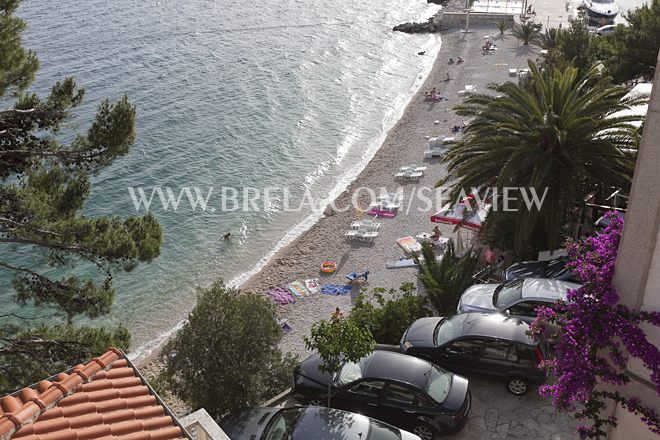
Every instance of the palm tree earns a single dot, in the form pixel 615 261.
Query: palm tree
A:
pixel 503 26
pixel 447 279
pixel 555 133
pixel 528 32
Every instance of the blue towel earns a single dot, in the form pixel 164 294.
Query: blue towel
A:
pixel 336 289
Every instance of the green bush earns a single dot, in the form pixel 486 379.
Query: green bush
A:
pixel 226 356
pixel 387 314
pixel 447 279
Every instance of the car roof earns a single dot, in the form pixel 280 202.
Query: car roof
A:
pixel 546 288
pixel 398 367
pixel 494 325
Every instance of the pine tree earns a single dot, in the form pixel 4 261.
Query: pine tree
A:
pixel 44 184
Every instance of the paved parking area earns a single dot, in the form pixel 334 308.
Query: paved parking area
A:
pixel 498 414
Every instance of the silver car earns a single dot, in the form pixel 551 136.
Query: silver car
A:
pixel 519 298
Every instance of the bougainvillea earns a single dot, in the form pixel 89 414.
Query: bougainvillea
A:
pixel 594 338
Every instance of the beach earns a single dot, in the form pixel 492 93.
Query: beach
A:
pixel 404 145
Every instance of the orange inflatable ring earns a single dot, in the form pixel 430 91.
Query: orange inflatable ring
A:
pixel 328 267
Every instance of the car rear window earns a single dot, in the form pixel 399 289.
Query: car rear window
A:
pixel 439 384
pixel 508 293
pixel 381 431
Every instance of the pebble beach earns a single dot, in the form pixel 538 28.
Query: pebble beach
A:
pixel 404 145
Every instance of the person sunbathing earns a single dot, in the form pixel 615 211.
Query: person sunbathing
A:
pixel 448 76
pixel 460 61
pixel 436 233
pixel 451 60
pixel 434 94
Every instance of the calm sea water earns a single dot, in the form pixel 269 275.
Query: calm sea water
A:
pixel 229 94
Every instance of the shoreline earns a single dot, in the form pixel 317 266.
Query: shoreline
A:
pixel 404 144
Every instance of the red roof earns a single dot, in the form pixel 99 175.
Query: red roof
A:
pixel 103 399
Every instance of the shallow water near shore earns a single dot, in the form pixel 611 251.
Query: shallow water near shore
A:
pixel 269 94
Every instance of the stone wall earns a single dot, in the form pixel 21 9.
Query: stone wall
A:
pixel 456 20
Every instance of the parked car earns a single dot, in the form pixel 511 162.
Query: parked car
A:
pixel 412 394
pixel 304 423
pixel 555 269
pixel 604 30
pixel 485 343
pixel 519 298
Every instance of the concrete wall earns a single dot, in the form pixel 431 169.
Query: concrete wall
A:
pixel 202 427
pixel 453 20
pixel 637 275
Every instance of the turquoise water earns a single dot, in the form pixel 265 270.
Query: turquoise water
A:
pixel 228 94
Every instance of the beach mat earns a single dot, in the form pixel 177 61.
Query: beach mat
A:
pixel 312 285
pixel 299 289
pixel 281 295
pixel 336 289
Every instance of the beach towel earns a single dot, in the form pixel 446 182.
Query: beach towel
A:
pixel 298 289
pixel 281 295
pixel 336 289
pixel 312 285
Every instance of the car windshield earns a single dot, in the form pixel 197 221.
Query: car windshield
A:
pixel 508 293
pixel 283 424
pixel 352 371
pixel 448 329
pixel 556 268
pixel 381 431
pixel 439 384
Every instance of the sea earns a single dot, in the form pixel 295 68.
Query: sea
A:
pixel 232 98
pixel 250 117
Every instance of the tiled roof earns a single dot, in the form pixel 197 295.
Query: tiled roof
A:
pixel 103 399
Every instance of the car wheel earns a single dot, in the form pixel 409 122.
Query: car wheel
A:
pixel 517 386
pixel 317 401
pixel 423 431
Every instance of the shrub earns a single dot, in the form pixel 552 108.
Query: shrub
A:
pixel 503 26
pixel 596 335
pixel 226 356
pixel 447 279
pixel 387 314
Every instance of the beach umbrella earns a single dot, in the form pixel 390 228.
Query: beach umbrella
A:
pixel 463 214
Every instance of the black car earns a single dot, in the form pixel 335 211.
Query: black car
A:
pixel 555 269
pixel 304 423
pixel 412 394
pixel 494 344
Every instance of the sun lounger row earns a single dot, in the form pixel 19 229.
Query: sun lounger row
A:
pixel 362 233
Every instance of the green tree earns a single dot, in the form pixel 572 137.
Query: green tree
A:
pixel 556 135
pixel 44 184
pixel 447 279
pixel 226 356
pixel 337 341
pixel 631 51
pixel 503 26
pixel 387 314
pixel 528 32
pixel 573 45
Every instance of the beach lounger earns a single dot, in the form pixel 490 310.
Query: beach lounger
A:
pixel 409 262
pixel 409 245
pixel 428 154
pixel 355 277
pixel 351 233
pixel 376 212
pixel 513 72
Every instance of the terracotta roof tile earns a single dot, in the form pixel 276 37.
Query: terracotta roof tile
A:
pixel 103 399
